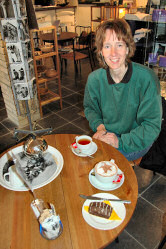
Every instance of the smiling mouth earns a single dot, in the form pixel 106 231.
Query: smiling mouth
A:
pixel 114 60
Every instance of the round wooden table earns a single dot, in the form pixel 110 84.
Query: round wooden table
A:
pixel 62 37
pixel 19 226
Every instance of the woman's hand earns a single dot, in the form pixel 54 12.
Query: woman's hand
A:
pixel 107 137
pixel 110 138
pixel 100 132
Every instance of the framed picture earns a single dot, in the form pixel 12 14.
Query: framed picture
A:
pixel 6 9
pixel 18 73
pixel 32 88
pixel 29 67
pixel 10 30
pixel 26 49
pixel 19 8
pixel 23 29
pixel 22 91
pixel 14 51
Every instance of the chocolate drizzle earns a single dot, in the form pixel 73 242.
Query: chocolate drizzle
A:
pixel 100 209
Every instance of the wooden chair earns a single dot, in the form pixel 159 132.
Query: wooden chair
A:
pixel 162 244
pixel 80 50
pixel 86 41
pixel 135 162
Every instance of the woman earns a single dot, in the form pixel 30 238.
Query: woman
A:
pixel 122 99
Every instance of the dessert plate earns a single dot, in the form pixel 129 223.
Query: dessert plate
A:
pixel 90 152
pixel 48 168
pixel 105 186
pixel 101 223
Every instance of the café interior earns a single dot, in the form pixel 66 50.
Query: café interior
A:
pixel 64 112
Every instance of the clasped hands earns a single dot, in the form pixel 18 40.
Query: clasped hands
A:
pixel 107 137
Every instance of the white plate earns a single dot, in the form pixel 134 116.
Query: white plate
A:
pixel 101 223
pixel 45 177
pixel 105 186
pixel 91 151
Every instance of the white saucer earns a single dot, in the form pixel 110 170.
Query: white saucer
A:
pixel 105 186
pixel 104 224
pixel 91 151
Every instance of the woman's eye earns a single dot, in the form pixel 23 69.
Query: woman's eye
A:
pixel 120 45
pixel 106 46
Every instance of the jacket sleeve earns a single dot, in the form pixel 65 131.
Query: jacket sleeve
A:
pixel 148 118
pixel 92 108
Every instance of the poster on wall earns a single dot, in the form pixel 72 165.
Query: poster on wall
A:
pixel 10 30
pixel 18 73
pixel 22 91
pixel 14 51
pixel 6 9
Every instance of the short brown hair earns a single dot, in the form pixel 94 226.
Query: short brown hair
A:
pixel 122 30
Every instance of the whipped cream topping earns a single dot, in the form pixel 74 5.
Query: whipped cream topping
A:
pixel 106 168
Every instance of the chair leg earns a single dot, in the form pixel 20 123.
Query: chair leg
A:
pixel 162 243
pixel 65 64
pixel 80 66
pixel 54 60
pixel 117 240
pixel 61 61
pixel 75 67
pixel 90 59
pixel 93 58
pixel 75 78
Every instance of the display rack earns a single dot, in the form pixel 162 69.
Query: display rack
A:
pixel 41 53
pixel 16 36
pixel 104 12
pixel 156 57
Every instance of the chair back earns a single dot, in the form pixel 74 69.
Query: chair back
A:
pixel 79 29
pixel 83 38
pixel 86 37
pixel 91 39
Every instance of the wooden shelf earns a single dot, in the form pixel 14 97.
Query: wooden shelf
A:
pixel 46 8
pixel 44 55
pixel 49 97
pixel 46 79
pixel 113 13
pixel 45 96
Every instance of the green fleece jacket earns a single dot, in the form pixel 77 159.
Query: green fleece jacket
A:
pixel 132 109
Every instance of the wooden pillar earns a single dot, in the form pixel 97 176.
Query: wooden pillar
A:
pixel 7 93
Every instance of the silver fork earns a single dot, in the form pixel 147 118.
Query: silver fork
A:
pixel 78 151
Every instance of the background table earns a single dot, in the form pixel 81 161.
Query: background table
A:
pixel 19 227
pixel 62 37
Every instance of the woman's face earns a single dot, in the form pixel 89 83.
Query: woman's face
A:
pixel 114 51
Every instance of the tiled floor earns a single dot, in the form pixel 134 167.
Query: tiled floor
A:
pixel 147 225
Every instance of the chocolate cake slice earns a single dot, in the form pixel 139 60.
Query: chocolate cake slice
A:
pixel 100 209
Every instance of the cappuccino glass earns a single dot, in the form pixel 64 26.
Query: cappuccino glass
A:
pixel 106 171
pixel 13 178
pixel 84 142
